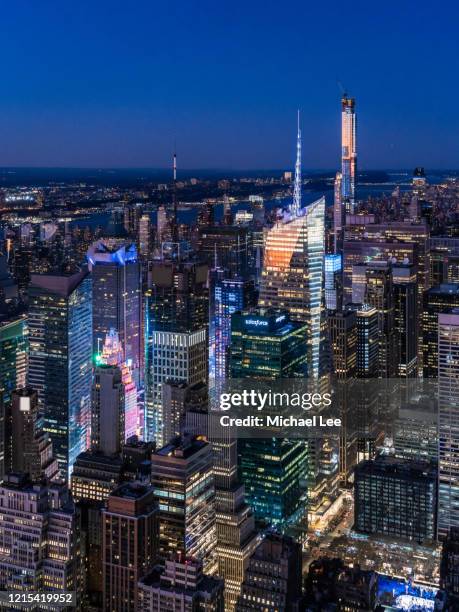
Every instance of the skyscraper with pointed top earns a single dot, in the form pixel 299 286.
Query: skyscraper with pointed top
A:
pixel 296 205
pixel 348 153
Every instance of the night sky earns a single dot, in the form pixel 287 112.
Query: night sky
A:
pixel 113 84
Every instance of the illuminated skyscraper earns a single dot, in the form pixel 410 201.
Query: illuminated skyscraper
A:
pixel 176 334
pixel 145 242
pixel 13 354
pixel 348 153
pixel 448 421
pixel 107 422
pixel 116 282
pixel 112 354
pixel 183 483
pixel 292 274
pixel 39 532
pixel 60 359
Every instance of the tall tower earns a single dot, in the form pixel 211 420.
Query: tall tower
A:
pixel 60 359
pixel 296 205
pixel 348 153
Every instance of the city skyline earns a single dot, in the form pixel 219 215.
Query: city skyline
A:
pixel 226 89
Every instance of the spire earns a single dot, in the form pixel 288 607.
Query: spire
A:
pixel 174 196
pixel 296 204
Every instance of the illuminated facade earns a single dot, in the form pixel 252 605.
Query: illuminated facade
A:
pixel 176 334
pixel 183 484
pixel 112 354
pixel 348 153
pixel 60 360
pixel 116 285
pixel 292 274
pixel 333 281
pixel 44 521
pixel 13 355
pixel 448 421
pixel 437 300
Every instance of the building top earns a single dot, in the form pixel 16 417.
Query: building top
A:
pixel 444 288
pixel 403 469
pixel 264 321
pixel 59 284
pixel 112 251
pixel 182 447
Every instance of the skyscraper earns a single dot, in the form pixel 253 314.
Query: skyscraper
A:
pixel 145 241
pixel 107 423
pixel 184 487
pixel 40 537
pixel 292 274
pixel 437 300
pixel 348 153
pixel 448 421
pixel 28 449
pixel 116 286
pixel 14 347
pixel 60 361
pixel 112 354
pixel 397 498
pixel 130 540
pixel 176 330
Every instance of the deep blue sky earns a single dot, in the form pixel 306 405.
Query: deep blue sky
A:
pixel 108 83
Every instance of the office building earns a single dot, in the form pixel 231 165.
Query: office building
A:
pixel 396 498
pixel 440 299
pixel 181 586
pixel 233 245
pixel 372 284
pixel 266 344
pixel 348 153
pixel 342 327
pixel 406 320
pixel 145 237
pixel 333 282
pixel 116 286
pixel 129 545
pixel 448 421
pixel 176 329
pixel 60 360
pixel 107 422
pixel 449 567
pixel 28 449
pixel 14 346
pixel 184 408
pixel 113 355
pixel 416 431
pixel 273 578
pixel 95 476
pixel 39 535
pixel 292 275
pixel 183 483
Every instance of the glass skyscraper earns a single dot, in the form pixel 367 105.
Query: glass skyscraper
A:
pixel 60 362
pixel 292 273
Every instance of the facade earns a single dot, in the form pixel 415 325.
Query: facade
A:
pixel 396 498
pixel 13 354
pixel 273 578
pixel 185 408
pixel 180 586
pixel 233 244
pixel 333 281
pixel 116 286
pixel 449 568
pixel 107 414
pixel 440 299
pixel 348 153
pixel 406 320
pixel 95 476
pixel 28 449
pixel 45 523
pixel 367 340
pixel 145 239
pixel 129 545
pixel 342 327
pixel 176 330
pixel 60 360
pixel 183 483
pixel 292 275
pixel 448 422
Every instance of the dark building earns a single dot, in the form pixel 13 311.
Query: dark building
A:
pixel 449 568
pixel 233 245
pixel 440 299
pixel 273 577
pixel 396 498
pixel 129 545
pixel 181 586
pixel 406 320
